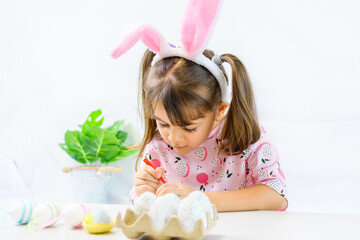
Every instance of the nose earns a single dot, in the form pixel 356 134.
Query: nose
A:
pixel 175 136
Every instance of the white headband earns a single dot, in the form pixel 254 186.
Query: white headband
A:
pixel 197 24
pixel 201 60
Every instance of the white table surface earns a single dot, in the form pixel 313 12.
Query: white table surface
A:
pixel 233 225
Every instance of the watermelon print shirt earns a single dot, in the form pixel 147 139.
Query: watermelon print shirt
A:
pixel 205 170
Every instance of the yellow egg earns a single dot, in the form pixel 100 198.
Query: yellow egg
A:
pixel 96 228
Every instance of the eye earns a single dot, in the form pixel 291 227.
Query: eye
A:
pixel 190 129
pixel 163 125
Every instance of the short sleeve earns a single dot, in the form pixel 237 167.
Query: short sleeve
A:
pixel 264 168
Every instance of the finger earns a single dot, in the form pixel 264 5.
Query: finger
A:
pixel 149 169
pixel 139 182
pixel 156 173
pixel 143 188
pixel 159 172
pixel 167 188
pixel 160 192
pixel 145 175
pixel 160 188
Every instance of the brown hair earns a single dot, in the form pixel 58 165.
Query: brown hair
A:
pixel 176 82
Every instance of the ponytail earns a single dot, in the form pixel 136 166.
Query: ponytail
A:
pixel 241 128
pixel 150 124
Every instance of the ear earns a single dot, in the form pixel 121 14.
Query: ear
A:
pixel 148 34
pixel 197 24
pixel 220 112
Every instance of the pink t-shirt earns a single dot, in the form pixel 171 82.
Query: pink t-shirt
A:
pixel 205 170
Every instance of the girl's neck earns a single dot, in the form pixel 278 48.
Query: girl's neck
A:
pixel 217 126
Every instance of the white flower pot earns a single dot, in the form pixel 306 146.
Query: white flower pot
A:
pixel 90 188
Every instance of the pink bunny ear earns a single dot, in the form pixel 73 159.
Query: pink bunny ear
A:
pixel 197 24
pixel 148 35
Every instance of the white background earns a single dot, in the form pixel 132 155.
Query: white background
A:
pixel 302 56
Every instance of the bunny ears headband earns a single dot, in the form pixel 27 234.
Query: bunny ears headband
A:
pixel 197 24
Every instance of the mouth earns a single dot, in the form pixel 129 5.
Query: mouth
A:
pixel 179 147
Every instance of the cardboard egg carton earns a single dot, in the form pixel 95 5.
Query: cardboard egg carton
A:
pixel 134 226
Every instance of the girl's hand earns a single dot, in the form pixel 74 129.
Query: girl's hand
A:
pixel 179 189
pixel 146 179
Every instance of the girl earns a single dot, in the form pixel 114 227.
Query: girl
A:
pixel 194 136
pixel 197 145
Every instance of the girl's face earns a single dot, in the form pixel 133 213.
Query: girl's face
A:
pixel 186 139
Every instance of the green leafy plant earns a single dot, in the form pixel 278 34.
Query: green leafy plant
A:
pixel 94 145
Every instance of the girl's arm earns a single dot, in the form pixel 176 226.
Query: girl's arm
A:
pixel 257 197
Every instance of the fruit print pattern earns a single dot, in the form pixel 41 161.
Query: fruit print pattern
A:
pixel 224 176
pixel 216 161
pixel 246 154
pixel 156 163
pixel 202 178
pixel 265 153
pixel 206 169
pixel 165 151
pixel 200 153
pixel 220 177
pixel 242 185
pixel 274 184
pixel 265 150
pixel 263 174
pixel 182 168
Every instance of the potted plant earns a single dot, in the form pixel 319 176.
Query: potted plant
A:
pixel 95 148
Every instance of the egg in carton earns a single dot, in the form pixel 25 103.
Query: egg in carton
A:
pixel 194 218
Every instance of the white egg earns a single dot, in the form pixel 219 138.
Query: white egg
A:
pixel 190 212
pixel 143 203
pixel 75 214
pixel 163 207
pixel 205 201
pixel 22 211
pixel 46 211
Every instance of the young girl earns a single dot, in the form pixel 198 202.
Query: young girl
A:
pixel 198 146
pixel 194 138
